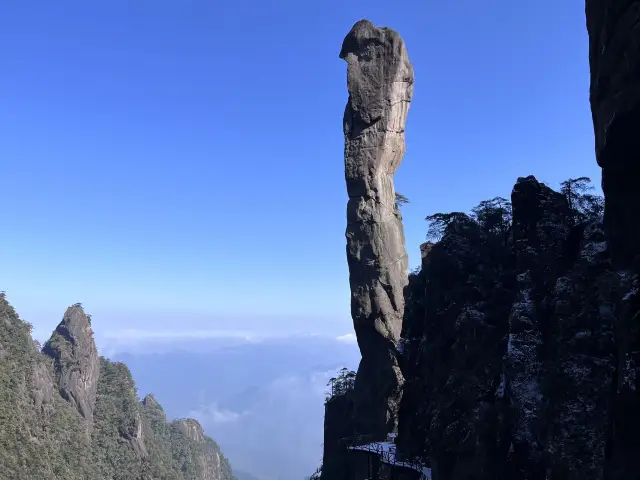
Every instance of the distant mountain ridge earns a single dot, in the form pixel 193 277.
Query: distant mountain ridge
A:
pixel 244 394
pixel 241 475
pixel 68 414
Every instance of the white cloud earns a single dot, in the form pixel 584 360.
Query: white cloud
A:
pixel 274 390
pixel 132 340
pixel 291 406
pixel 212 414
pixel 158 335
pixel 296 386
pixel 347 338
pixel 144 341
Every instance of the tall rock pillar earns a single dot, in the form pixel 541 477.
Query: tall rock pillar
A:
pixel 614 58
pixel 380 84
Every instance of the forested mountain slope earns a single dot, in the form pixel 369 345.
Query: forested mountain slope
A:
pixel 68 414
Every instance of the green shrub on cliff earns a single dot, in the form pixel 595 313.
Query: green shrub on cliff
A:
pixel 43 437
pixel 494 216
pixel 341 384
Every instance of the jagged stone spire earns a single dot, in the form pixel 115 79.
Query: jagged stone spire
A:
pixel 77 362
pixel 380 84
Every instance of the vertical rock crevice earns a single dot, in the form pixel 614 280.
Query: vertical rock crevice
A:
pixel 380 85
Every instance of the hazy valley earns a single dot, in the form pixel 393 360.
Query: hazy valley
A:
pixel 262 402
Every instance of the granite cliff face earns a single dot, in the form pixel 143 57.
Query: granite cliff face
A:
pixel 614 58
pixel 380 85
pixel 208 458
pixel 68 414
pixel 509 349
pixel 520 342
pixel 614 47
pixel 77 364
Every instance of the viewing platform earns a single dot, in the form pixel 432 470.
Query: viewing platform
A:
pixel 378 461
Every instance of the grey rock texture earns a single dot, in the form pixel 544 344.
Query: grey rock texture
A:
pixel 150 401
pixel 540 229
pixel 43 387
pixel 77 363
pixel 211 462
pixel 380 85
pixel 512 350
pixel 581 366
pixel 614 57
pixel 118 414
pixel 191 429
pixel 452 415
pixel 520 346
pixel 425 248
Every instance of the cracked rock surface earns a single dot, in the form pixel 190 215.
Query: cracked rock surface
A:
pixel 380 85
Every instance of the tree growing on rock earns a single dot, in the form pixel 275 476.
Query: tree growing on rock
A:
pixel 584 205
pixel 341 384
pixel 440 223
pixel 494 216
pixel 400 200
pixel 317 475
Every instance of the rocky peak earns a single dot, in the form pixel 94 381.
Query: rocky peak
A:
pixel 210 462
pixel 425 248
pixel 380 85
pixel 503 334
pixel 153 410
pixel 150 401
pixel 538 211
pixel 77 365
pixel 191 429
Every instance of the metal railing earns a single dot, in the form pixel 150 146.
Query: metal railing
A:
pixel 386 452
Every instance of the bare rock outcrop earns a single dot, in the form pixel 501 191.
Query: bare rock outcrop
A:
pixel 43 387
pixel 380 85
pixel 614 57
pixel 509 350
pixel 211 463
pixel 520 343
pixel 77 364
pixel 191 429
pixel 540 230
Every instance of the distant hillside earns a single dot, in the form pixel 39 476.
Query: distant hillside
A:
pixel 272 389
pixel 245 475
pixel 68 414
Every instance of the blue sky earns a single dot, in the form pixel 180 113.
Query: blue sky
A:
pixel 178 165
